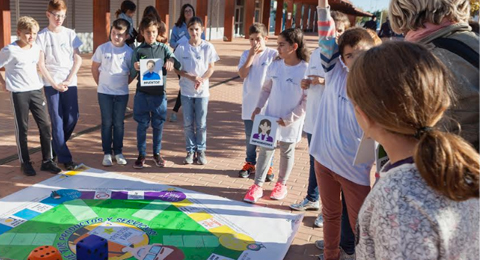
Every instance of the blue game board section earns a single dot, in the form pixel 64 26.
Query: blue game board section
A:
pixel 27 214
pixel 4 228
pixel 65 195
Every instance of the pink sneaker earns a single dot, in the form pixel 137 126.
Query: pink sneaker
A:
pixel 254 193
pixel 279 192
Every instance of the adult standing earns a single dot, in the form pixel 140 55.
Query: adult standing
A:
pixel 443 28
pixel 385 32
pixel 372 24
pixel 180 35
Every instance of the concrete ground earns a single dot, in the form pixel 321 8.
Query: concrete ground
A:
pixel 225 151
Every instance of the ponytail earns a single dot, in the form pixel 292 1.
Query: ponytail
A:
pixel 118 12
pixel 448 164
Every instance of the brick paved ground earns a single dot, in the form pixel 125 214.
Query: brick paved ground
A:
pixel 225 146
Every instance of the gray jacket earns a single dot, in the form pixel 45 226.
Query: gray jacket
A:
pixel 465 109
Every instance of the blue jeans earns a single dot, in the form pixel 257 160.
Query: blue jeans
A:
pixel 63 111
pixel 312 190
pixel 112 108
pixel 347 238
pixel 149 108
pixel 195 123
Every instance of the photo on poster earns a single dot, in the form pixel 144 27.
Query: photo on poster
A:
pixel 151 72
pixel 264 131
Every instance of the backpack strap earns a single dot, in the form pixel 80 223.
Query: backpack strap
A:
pixel 459 48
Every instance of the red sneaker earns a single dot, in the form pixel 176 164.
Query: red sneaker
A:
pixel 279 192
pixel 254 193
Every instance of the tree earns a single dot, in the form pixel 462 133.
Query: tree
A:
pixel 474 7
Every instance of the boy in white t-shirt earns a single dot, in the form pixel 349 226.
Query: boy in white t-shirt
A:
pixel 198 59
pixel 252 68
pixel 111 69
pixel 314 86
pixel 59 64
pixel 20 60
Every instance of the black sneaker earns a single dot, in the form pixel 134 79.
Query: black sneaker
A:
pixel 247 169
pixel 71 166
pixel 27 169
pixel 140 162
pixel 50 166
pixel 159 161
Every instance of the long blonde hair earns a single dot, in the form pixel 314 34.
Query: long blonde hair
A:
pixel 407 95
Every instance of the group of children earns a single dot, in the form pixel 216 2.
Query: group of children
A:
pixel 335 99
pixel 114 66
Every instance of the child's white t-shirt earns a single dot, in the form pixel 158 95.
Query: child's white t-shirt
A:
pixel 314 93
pixel 286 95
pixel 114 69
pixel 252 84
pixel 20 67
pixel 195 60
pixel 59 49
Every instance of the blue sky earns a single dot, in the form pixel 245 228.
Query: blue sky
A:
pixel 371 5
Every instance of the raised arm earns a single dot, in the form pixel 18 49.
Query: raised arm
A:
pixel 327 36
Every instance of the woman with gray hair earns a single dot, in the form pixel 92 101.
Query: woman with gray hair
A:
pixel 442 26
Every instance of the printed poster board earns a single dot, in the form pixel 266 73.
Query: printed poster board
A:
pixel 264 131
pixel 151 72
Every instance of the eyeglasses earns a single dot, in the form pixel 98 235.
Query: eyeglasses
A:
pixel 58 16
pixel 188 11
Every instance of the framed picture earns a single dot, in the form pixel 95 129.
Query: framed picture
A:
pixel 264 131
pixel 151 72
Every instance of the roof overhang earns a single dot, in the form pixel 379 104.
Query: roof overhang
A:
pixel 344 6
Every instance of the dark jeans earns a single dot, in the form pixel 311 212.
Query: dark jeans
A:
pixel 149 109
pixel 112 108
pixel 63 110
pixel 347 238
pixel 312 190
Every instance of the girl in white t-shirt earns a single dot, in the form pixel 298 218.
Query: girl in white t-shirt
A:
pixel 287 102
pixel 198 59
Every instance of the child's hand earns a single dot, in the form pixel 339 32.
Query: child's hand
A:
pixel 60 87
pixel 305 83
pixel 280 122
pixel 254 49
pixel 316 80
pixel 136 65
pixel 255 112
pixel 169 64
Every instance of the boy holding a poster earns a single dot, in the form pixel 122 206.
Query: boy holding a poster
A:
pixel 150 102
pixel 252 68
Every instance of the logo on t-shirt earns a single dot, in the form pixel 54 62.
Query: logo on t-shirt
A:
pixel 290 80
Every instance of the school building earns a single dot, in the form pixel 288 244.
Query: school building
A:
pixel 224 19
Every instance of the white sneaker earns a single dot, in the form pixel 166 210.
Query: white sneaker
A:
pixel 107 160
pixel 120 159
pixel 319 221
